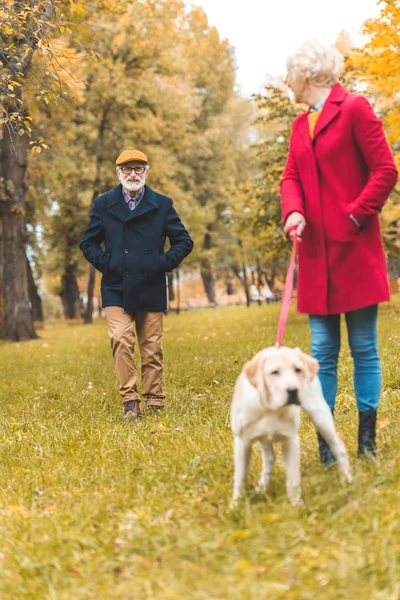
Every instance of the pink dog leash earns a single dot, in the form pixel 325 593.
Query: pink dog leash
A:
pixel 287 293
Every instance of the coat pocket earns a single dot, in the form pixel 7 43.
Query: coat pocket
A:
pixel 114 272
pixel 156 265
pixel 342 228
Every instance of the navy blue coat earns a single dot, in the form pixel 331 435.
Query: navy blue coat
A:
pixel 133 262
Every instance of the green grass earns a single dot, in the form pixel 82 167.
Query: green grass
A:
pixel 93 507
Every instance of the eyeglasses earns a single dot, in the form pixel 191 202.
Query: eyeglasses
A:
pixel 138 170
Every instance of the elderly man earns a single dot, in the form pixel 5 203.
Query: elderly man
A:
pixel 133 221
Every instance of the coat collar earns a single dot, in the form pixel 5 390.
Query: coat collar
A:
pixel 331 108
pixel 116 205
pixel 330 111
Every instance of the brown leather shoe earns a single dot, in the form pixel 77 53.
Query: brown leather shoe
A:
pixel 155 404
pixel 131 410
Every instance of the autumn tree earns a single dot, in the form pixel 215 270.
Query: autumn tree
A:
pixel 24 29
pixel 258 249
pixel 160 82
pixel 209 162
pixel 375 66
pixel 28 30
pixel 374 69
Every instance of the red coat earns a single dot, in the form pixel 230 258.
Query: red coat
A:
pixel 347 168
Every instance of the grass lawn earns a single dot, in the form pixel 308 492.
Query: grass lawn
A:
pixel 93 507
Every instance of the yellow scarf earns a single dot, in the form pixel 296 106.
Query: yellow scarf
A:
pixel 312 121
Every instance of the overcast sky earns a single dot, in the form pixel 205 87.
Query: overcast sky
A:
pixel 264 31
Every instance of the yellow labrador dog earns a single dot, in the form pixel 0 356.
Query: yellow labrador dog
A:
pixel 269 393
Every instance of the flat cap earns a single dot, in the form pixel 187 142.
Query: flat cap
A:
pixel 130 155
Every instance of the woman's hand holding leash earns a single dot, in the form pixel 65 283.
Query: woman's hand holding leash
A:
pixel 295 224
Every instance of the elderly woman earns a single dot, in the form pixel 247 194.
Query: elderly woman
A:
pixel 338 175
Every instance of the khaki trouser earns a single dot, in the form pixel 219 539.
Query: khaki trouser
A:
pixel 149 329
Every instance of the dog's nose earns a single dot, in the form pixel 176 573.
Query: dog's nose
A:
pixel 293 394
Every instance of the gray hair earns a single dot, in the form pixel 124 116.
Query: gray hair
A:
pixel 317 61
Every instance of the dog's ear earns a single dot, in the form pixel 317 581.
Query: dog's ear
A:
pixel 311 364
pixel 254 373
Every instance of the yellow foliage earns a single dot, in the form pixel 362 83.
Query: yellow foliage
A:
pixel 343 42
pixel 375 68
pixel 376 65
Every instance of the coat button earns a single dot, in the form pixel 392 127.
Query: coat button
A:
pixel 146 251
pixel 126 250
pixel 144 226
pixel 125 228
pixel 144 274
pixel 126 273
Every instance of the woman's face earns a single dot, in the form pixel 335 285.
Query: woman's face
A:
pixel 298 86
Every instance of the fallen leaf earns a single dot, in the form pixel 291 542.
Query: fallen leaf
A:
pixel 242 565
pixel 382 423
pixel 72 569
pixel 241 534
pixel 144 562
pixel 271 517
pixel 194 567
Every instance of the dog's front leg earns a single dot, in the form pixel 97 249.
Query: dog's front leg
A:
pixel 291 457
pixel 242 455
pixel 268 461
pixel 321 416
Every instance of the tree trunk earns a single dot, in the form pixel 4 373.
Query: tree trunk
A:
pixel 15 312
pixel 206 271
pixel 246 285
pixel 271 276
pixel 259 274
pixel 88 312
pixel 16 317
pixel 70 293
pixel 393 265
pixel 178 293
pixel 244 282
pixel 171 293
pixel 34 297
pixel 229 288
pixel 208 282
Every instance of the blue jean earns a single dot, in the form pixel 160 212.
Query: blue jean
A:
pixel 363 341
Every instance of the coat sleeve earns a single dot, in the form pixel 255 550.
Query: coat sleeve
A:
pixel 291 191
pixel 92 239
pixel 180 240
pixel 375 150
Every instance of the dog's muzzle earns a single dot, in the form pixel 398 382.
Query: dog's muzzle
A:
pixel 293 395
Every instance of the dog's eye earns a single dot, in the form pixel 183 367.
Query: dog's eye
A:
pixel 298 370
pixel 276 372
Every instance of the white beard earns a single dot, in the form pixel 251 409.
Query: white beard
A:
pixel 133 187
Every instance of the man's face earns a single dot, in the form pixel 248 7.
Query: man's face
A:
pixel 133 175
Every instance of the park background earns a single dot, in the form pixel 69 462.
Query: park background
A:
pixel 83 80
pixel 91 506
